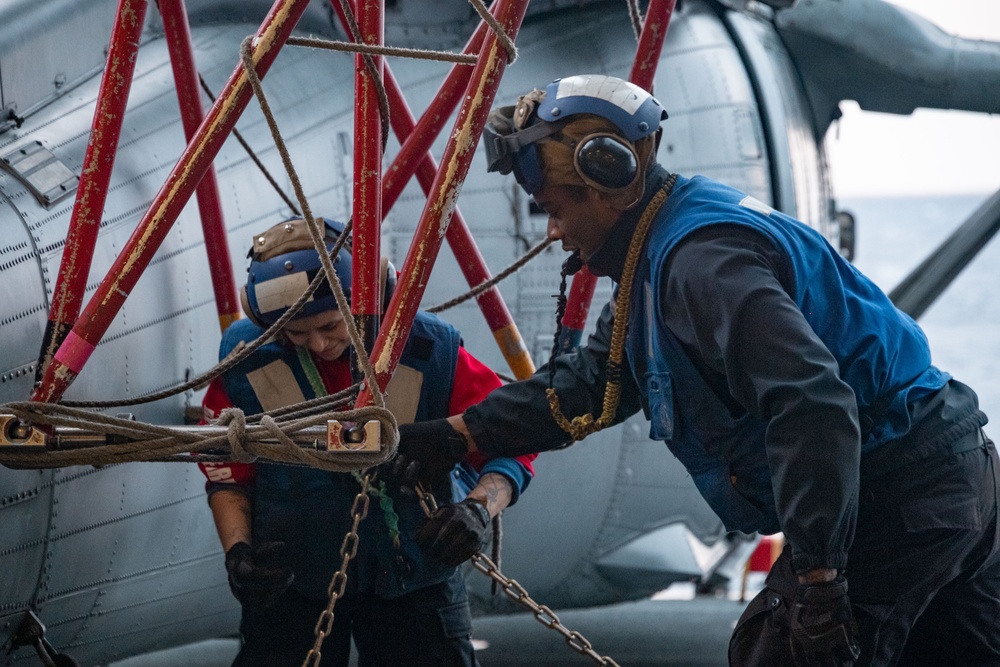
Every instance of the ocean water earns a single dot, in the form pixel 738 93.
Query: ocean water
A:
pixel 894 235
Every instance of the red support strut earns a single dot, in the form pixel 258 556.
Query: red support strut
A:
pixel 463 246
pixel 95 176
pixel 647 56
pixel 418 141
pixel 178 35
pixel 367 210
pixel 418 136
pixel 443 197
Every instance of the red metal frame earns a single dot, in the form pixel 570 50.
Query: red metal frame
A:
pixel 442 200
pixel 647 56
pixel 418 142
pixel 416 136
pixel 459 237
pixel 177 32
pixel 367 211
pixel 371 193
pixel 95 176
pixel 167 205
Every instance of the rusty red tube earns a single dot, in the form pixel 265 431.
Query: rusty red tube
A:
pixel 95 176
pixel 443 197
pixel 647 53
pixel 418 141
pixel 647 57
pixel 463 246
pixel 428 128
pixel 166 206
pixel 412 139
pixel 367 207
pixel 178 36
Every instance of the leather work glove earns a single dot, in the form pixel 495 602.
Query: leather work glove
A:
pixel 258 575
pixel 434 445
pixel 401 471
pixel 455 532
pixel 823 632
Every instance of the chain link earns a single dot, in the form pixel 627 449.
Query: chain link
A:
pixel 517 593
pixel 511 588
pixel 348 550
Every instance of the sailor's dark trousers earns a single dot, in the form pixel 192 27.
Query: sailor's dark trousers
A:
pixel 430 627
pixel 923 572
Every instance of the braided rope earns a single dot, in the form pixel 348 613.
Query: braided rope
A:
pixel 582 426
pixel 635 16
pixel 375 50
pixel 505 41
pixel 488 284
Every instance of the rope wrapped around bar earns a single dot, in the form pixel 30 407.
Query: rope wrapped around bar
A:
pixel 269 439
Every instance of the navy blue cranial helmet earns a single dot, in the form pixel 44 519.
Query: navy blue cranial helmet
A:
pixel 605 161
pixel 283 262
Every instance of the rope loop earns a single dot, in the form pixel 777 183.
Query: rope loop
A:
pixel 237 433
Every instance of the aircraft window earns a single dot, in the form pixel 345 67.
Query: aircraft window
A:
pixel 48 179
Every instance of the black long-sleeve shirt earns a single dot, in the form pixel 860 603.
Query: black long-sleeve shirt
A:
pixel 726 295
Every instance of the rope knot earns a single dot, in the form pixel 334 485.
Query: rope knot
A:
pixel 237 434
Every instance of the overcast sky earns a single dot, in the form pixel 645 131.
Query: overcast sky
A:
pixel 930 151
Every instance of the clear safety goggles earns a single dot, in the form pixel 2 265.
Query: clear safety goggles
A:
pixel 516 153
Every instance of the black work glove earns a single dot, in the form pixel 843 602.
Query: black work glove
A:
pixel 435 446
pixel 401 472
pixel 258 575
pixel 823 630
pixel 455 532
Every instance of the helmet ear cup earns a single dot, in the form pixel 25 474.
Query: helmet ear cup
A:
pixel 248 310
pixel 387 282
pixel 606 162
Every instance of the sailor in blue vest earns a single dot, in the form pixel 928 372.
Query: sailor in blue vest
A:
pixel 282 527
pixel 796 395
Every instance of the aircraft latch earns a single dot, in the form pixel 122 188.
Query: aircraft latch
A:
pixel 31 632
pixel 16 433
pixel 358 438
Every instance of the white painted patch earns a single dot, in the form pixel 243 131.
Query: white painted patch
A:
pixel 756 205
pixel 281 292
pixel 616 91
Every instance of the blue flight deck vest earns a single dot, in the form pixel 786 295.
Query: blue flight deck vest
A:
pixel 882 353
pixel 309 509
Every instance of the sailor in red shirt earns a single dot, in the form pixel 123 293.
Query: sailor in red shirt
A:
pixel 282 527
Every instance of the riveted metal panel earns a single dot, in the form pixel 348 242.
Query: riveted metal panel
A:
pixel 24 305
pixel 24 511
pixel 48 47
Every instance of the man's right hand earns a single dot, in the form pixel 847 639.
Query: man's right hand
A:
pixel 434 445
pixel 258 575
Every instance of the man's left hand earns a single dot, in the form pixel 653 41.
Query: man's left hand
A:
pixel 455 532
pixel 823 629
pixel 434 445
